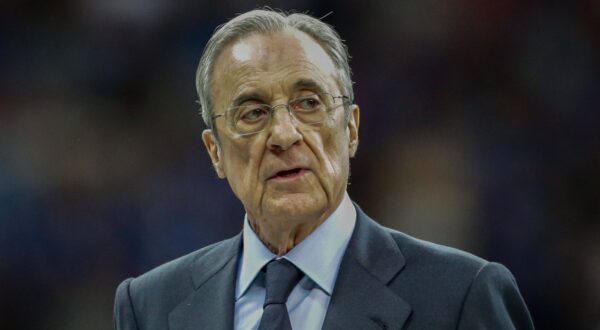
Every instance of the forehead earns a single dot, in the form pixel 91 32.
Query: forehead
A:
pixel 271 62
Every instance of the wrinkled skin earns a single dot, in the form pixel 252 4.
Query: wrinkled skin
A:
pixel 274 69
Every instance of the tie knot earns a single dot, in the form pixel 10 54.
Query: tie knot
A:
pixel 281 277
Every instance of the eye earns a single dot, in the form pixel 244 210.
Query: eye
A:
pixel 307 103
pixel 253 113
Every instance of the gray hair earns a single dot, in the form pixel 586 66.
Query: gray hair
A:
pixel 268 21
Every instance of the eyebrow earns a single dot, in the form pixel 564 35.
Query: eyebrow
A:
pixel 308 84
pixel 247 96
pixel 303 83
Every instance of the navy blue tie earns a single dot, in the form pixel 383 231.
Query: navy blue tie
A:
pixel 281 277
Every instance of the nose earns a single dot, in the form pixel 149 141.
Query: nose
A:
pixel 283 131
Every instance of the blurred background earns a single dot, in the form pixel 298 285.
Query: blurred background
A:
pixel 479 130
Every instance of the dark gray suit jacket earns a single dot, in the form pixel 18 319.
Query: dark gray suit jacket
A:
pixel 387 280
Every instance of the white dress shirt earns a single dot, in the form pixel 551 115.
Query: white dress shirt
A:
pixel 318 256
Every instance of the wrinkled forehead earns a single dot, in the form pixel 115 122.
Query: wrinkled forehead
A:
pixel 278 57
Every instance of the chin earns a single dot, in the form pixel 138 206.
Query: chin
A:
pixel 295 206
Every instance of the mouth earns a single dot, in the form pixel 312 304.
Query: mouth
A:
pixel 289 174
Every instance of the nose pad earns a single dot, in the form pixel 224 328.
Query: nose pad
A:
pixel 284 131
pixel 293 121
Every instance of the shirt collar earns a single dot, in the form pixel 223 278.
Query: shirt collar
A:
pixel 319 255
pixel 255 255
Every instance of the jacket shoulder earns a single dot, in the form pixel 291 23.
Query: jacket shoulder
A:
pixel 174 272
pixel 419 252
pixel 456 288
pixel 158 291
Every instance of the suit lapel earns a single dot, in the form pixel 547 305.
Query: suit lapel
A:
pixel 211 304
pixel 361 298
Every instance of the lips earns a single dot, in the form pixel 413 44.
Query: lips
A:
pixel 289 173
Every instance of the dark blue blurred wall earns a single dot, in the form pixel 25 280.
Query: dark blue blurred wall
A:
pixel 479 129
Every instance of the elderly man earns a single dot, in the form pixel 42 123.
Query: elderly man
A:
pixel 276 94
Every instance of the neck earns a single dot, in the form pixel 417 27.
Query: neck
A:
pixel 280 234
pixel 281 240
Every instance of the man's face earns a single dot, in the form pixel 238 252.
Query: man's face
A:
pixel 289 173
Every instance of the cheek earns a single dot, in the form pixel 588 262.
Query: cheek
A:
pixel 331 149
pixel 242 167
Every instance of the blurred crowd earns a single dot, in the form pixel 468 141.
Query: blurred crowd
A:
pixel 479 130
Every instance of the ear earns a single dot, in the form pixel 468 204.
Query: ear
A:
pixel 214 151
pixel 353 124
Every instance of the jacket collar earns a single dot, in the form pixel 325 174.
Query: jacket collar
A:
pixel 361 297
pixel 211 304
